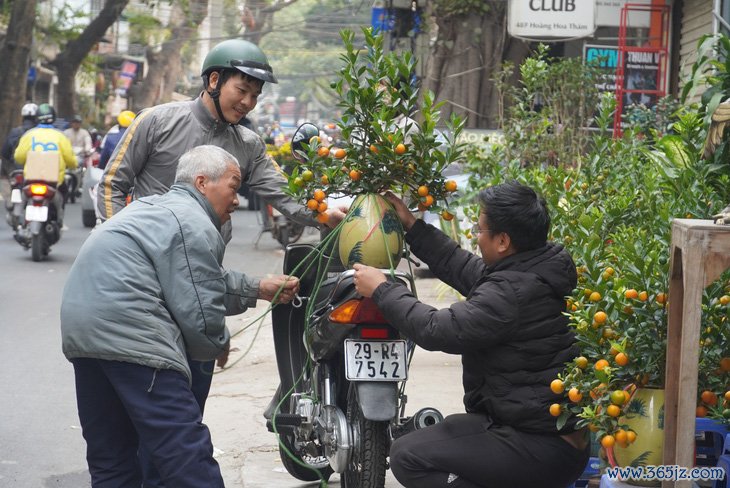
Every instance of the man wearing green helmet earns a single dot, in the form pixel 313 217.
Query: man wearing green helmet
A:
pixel 145 161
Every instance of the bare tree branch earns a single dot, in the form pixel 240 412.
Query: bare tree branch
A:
pixel 15 54
pixel 68 61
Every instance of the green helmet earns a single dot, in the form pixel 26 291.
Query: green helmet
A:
pixel 238 54
pixel 46 114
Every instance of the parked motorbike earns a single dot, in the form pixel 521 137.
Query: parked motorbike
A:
pixel 38 206
pixel 284 230
pixel 343 370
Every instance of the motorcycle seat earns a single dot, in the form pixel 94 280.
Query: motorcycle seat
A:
pixel 298 261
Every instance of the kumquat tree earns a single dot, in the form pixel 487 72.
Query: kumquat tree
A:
pixel 612 208
pixel 390 137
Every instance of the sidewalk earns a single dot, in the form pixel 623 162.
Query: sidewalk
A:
pixel 248 453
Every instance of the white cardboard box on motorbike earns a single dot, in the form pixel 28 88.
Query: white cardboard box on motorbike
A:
pixel 42 165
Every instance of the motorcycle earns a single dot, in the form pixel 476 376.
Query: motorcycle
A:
pixel 12 208
pixel 39 210
pixel 92 176
pixel 74 177
pixel 343 370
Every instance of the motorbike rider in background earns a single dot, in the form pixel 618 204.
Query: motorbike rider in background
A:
pixel 7 163
pixel 45 137
pixel 28 112
pixel 145 160
pixel 83 149
pixel 115 134
pixel 80 139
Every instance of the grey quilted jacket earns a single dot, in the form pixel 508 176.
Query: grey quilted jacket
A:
pixel 148 287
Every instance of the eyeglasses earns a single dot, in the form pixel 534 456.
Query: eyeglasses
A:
pixel 475 230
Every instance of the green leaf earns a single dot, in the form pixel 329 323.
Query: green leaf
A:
pixel 562 419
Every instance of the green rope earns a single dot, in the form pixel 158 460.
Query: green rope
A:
pixel 260 318
pixel 319 252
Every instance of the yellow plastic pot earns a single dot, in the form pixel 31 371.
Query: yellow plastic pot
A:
pixel 644 415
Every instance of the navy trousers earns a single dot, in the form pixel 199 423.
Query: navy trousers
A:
pixel 202 376
pixel 124 406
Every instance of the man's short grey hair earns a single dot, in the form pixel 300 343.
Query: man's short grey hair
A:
pixel 210 161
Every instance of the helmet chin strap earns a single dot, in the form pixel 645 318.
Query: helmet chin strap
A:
pixel 215 95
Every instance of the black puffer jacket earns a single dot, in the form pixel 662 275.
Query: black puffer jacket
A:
pixel 510 331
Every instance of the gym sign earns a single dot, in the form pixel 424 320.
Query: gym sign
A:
pixel 551 19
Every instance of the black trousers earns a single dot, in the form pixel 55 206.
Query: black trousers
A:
pixel 468 451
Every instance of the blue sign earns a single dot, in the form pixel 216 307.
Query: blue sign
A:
pixel 380 19
pixel 32 74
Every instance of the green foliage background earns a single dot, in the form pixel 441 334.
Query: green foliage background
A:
pixel 613 212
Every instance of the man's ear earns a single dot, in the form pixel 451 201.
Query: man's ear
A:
pixel 200 183
pixel 213 80
pixel 504 243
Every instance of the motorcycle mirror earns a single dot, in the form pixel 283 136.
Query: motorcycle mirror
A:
pixel 303 135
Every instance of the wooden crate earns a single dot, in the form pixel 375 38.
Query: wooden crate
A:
pixel 699 254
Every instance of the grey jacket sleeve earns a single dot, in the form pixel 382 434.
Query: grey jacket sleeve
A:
pixel 241 292
pixel 194 289
pixel 127 160
pixel 268 181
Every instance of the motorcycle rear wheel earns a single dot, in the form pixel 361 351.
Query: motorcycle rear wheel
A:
pixel 37 246
pixel 297 470
pixel 369 447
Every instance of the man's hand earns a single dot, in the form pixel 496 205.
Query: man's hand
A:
pixel 222 358
pixel 268 287
pixel 405 215
pixel 367 279
pixel 335 216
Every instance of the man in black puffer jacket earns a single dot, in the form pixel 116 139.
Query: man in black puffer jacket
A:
pixel 513 339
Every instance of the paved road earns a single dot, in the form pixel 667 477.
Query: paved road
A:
pixel 40 440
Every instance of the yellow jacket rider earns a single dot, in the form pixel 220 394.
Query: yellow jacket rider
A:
pixel 45 137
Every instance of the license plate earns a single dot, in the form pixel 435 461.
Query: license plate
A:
pixel 15 196
pixel 375 360
pixel 36 214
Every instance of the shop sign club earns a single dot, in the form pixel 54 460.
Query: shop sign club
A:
pixel 552 19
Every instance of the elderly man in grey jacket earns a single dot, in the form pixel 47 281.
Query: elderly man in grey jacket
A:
pixel 129 326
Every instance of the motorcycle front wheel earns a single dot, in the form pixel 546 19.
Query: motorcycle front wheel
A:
pixel 369 447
